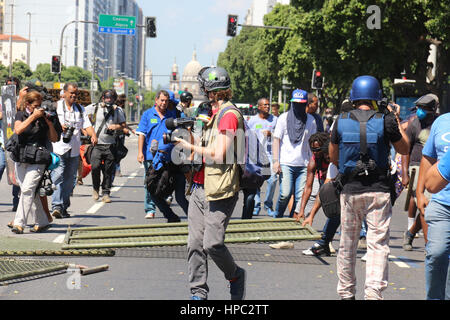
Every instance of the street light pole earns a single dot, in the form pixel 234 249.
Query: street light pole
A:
pixel 29 38
pixel 10 39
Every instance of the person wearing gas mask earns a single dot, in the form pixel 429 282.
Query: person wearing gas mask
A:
pixel 291 152
pixel 360 147
pixel 215 188
pixel 106 118
pixel 418 131
pixel 73 118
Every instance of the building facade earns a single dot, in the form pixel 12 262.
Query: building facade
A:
pixel 259 8
pixel 19 49
pixel 44 20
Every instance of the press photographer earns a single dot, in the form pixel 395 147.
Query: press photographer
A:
pixel 34 132
pixel 73 118
pixel 107 119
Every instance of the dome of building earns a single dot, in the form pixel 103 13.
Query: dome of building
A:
pixel 191 70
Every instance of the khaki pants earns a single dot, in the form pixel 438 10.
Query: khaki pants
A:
pixel 376 208
pixel 29 176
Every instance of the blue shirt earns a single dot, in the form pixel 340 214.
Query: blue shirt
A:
pixel 153 127
pixel 319 122
pixel 444 166
pixel 436 146
pixel 258 124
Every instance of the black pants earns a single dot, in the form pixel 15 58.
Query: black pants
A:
pixel 102 153
pixel 249 203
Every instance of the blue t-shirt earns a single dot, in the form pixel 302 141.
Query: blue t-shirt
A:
pixel 153 127
pixel 258 124
pixel 444 166
pixel 436 146
pixel 319 122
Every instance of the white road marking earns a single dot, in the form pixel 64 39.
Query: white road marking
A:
pixel 398 262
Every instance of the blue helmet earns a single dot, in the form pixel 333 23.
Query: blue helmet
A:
pixel 55 162
pixel 366 88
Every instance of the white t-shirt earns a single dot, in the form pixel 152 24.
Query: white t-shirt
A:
pixel 299 155
pixel 75 119
pixel 332 171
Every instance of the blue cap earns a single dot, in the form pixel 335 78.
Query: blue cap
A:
pixel 300 96
pixel 172 97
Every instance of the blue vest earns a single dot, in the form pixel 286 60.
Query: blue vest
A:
pixel 350 140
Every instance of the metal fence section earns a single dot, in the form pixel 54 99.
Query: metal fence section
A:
pixel 175 234
pixel 13 270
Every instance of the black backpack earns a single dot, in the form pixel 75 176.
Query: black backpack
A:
pixel 160 183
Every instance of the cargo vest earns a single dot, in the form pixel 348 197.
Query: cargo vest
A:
pixel 349 132
pixel 221 179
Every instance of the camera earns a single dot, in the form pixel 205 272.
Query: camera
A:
pixel 109 132
pixel 48 108
pixel 46 187
pixel 68 134
pixel 174 126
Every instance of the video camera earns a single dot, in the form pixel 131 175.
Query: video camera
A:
pixel 174 126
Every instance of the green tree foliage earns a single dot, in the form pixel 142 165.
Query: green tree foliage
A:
pixel 333 36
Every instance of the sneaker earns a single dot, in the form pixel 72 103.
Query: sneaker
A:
pixel 237 285
pixel 256 211
pixel 57 214
pixel 95 195
pixel 106 198
pixel 317 250
pixel 65 214
pixel 407 241
pixel 282 245
pixel 150 215
pixel 362 243
pixel 197 298
pixel 173 219
pixel 271 213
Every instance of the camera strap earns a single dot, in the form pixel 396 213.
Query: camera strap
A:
pixel 104 121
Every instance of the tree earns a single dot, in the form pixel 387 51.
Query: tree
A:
pixel 21 70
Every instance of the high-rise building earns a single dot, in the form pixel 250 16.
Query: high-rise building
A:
pixel 116 54
pixel 259 8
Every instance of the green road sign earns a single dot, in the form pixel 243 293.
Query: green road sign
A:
pixel 114 21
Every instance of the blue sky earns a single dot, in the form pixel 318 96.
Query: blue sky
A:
pixel 183 25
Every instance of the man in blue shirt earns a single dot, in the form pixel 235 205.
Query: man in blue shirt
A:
pixel 264 125
pixel 437 213
pixel 151 128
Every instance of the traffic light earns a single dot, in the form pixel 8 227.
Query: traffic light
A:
pixel 232 24
pixel 150 27
pixel 174 76
pixel 317 80
pixel 56 64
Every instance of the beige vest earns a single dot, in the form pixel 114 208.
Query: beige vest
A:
pixel 221 180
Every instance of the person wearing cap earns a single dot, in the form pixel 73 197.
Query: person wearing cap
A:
pixel 291 152
pixel 437 212
pixel 360 147
pixel 417 131
pixel 106 118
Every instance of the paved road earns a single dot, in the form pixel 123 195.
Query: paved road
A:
pixel 139 278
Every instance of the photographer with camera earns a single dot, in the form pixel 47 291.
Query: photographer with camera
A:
pixel 152 127
pixel 360 147
pixel 216 187
pixel 107 119
pixel 73 118
pixel 35 131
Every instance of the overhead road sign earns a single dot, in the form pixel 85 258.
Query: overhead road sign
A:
pixel 114 21
pixel 121 31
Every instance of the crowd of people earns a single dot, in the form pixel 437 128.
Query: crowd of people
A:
pixel 365 155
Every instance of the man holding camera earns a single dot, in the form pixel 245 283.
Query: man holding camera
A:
pixel 106 118
pixel 73 118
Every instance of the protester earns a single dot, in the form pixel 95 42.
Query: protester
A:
pixel 363 162
pixel 264 125
pixel 73 118
pixel 437 212
pixel 417 131
pixel 107 119
pixel 291 152
pixel 215 189
pixel 275 109
pixel 311 108
pixel 34 130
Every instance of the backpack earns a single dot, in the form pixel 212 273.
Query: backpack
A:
pixel 254 168
pixel 161 182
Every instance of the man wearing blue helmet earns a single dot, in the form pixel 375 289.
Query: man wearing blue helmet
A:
pixel 360 148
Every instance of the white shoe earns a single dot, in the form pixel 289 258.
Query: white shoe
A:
pixel 282 245
pixel 364 257
pixel 332 251
pixel 150 215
